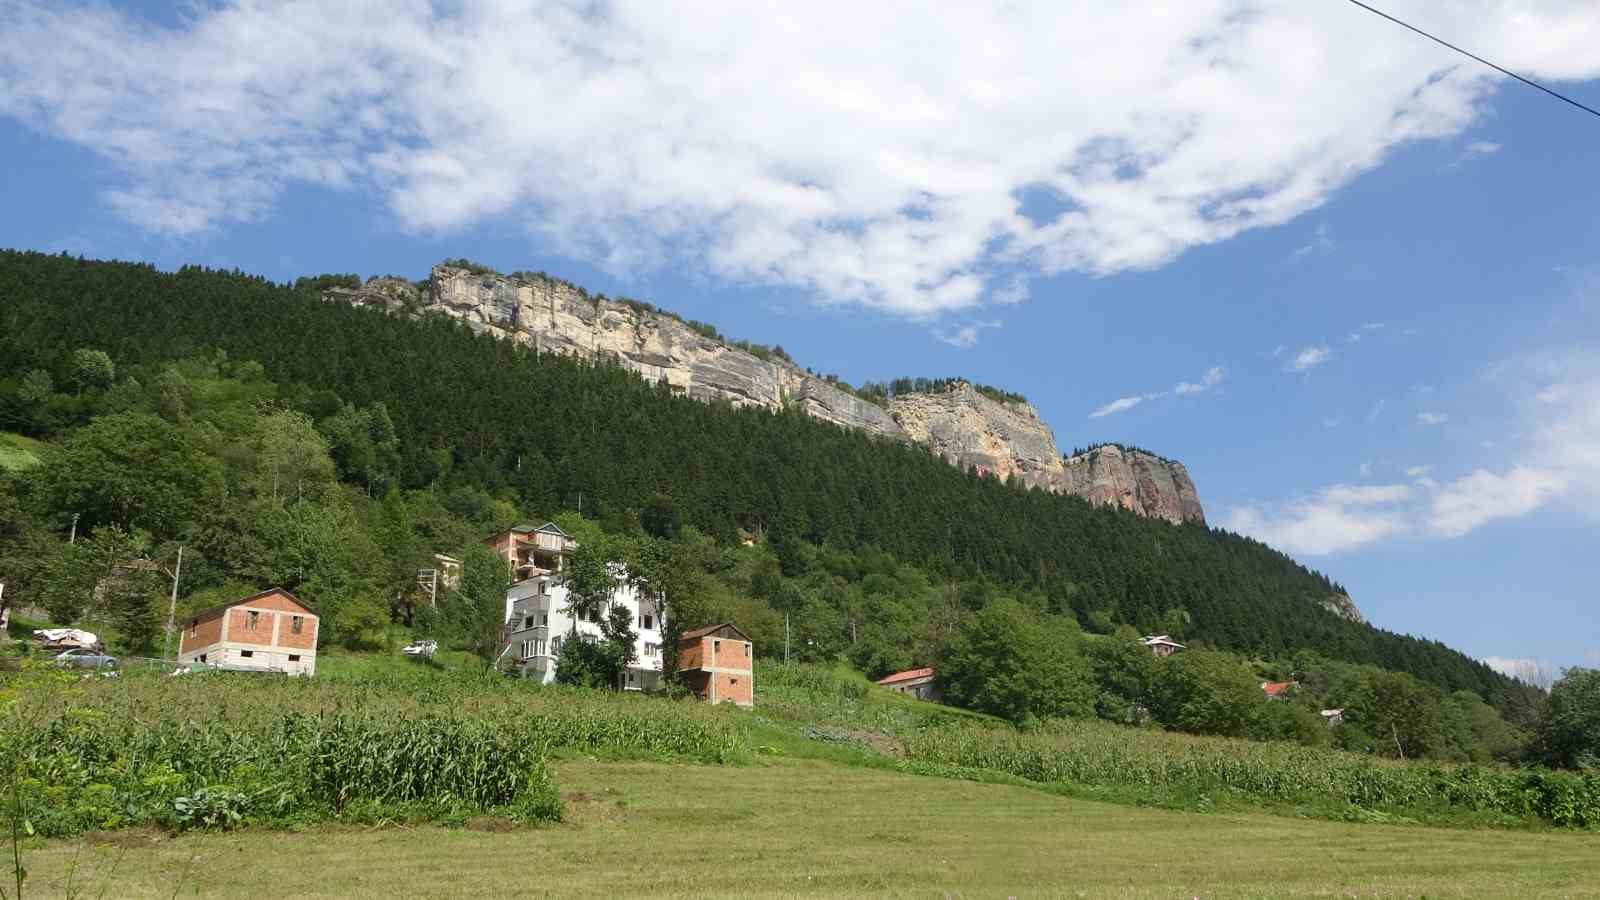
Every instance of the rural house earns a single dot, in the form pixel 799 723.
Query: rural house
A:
pixel 1278 690
pixel 538 620
pixel 271 631
pixel 917 683
pixel 1161 645
pixel 533 551
pixel 717 663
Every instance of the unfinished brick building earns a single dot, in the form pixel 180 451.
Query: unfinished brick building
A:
pixel 717 662
pixel 271 631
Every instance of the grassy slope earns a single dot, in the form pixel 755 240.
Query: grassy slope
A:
pixel 18 452
pixel 804 826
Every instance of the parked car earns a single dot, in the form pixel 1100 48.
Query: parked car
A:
pixel 421 649
pixel 86 659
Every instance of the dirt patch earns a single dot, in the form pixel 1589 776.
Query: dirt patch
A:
pixel 494 824
pixel 128 839
pixel 583 808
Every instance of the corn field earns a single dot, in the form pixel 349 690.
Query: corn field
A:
pixel 221 751
pixel 1100 754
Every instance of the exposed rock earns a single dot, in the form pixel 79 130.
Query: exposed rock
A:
pixel 963 424
pixel 1342 606
pixel 970 430
pixel 1136 480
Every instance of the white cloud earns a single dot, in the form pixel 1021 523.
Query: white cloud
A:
pixel 1209 380
pixel 1336 519
pixel 1119 404
pixel 1376 411
pixel 1353 337
pixel 1309 358
pixel 1332 421
pixel 1483 496
pixel 1365 469
pixel 965 336
pixel 1418 471
pixel 1372 326
pixel 865 153
pixel 1321 242
pixel 1432 418
pixel 1536 672
pixel 1476 150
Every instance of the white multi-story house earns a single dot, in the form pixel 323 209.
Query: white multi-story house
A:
pixel 538 620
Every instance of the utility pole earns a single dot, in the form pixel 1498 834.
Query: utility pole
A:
pixel 73 538
pixel 785 638
pixel 172 605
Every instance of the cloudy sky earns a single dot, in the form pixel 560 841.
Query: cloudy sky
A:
pixel 1350 278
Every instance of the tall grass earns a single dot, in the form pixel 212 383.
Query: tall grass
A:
pixel 1099 754
pixel 213 750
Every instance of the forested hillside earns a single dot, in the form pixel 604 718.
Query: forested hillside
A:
pixel 451 411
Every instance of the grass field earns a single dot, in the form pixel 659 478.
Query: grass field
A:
pixel 18 452
pixel 789 827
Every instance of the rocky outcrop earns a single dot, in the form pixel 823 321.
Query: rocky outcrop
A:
pixel 969 426
pixel 556 317
pixel 1342 606
pixel 1133 479
pixel 972 430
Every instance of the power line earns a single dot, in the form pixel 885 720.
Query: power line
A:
pixel 1528 81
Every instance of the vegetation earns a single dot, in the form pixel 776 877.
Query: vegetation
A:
pixel 636 829
pixel 427 454
pixel 1165 767
pixel 880 392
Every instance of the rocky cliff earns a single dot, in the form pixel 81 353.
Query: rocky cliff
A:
pixel 1133 479
pixel 963 424
pixel 970 429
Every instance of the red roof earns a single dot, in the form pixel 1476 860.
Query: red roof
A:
pixel 1277 688
pixel 907 675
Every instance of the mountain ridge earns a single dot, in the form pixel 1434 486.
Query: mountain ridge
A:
pixel 971 426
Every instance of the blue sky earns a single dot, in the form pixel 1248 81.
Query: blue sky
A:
pixel 1373 268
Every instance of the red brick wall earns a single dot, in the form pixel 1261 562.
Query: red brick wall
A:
pixel 277 600
pixel 305 640
pixel 734 688
pixel 691 656
pixel 208 630
pixel 239 627
pixel 730 654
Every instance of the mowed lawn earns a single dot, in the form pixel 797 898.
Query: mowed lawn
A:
pixel 802 827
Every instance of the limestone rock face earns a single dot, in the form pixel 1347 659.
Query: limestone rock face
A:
pixel 1341 605
pixel 963 424
pixel 971 429
pixel 555 317
pixel 1136 480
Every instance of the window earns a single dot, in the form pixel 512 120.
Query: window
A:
pixel 555 646
pixel 202 657
pixel 544 618
pixel 294 657
pixel 247 654
pixel 652 650
pixel 296 624
pixel 647 621
pixel 252 621
pixel 746 651
pixel 716 646
pixel 527 622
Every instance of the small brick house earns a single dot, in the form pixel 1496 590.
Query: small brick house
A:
pixel 271 631
pixel 717 663
pixel 918 683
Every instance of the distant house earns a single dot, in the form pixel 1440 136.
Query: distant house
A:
pixel 917 683
pixel 534 551
pixel 1334 717
pixel 271 631
pixel 1161 645
pixel 717 663
pixel 1278 690
pixel 539 620
pixel 444 576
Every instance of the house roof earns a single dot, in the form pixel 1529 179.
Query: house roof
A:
pixel 702 632
pixel 907 675
pixel 547 528
pixel 1277 688
pixel 1330 713
pixel 256 596
pixel 1161 640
